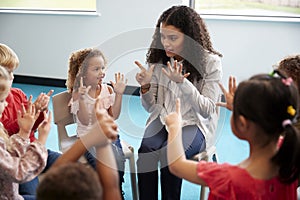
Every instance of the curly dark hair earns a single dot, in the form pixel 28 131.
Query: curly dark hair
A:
pixel 291 66
pixel 77 64
pixel 197 40
pixel 70 181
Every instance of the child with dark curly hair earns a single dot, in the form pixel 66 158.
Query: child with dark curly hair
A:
pixel 70 181
pixel 182 64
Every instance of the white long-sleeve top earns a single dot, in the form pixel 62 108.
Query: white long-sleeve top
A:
pixel 197 101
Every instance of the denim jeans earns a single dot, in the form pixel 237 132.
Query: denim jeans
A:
pixel 29 197
pixel 29 188
pixel 119 156
pixel 153 155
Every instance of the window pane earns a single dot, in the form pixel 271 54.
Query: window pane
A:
pixel 56 5
pixel 280 8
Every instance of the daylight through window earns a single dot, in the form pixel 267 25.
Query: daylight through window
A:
pixel 271 8
pixel 49 5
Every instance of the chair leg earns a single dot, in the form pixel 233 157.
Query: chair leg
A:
pixel 134 189
pixel 203 188
pixel 215 157
pixel 202 192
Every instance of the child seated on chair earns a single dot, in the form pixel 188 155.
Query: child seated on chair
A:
pixel 85 75
pixel 16 98
pixel 69 180
pixel 264 109
pixel 20 159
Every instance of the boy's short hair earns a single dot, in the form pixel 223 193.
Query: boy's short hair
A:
pixel 8 58
pixel 70 181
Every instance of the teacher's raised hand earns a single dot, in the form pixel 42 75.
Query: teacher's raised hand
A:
pixel 144 76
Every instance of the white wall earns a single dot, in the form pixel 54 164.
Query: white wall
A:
pixel 123 31
pixel 251 47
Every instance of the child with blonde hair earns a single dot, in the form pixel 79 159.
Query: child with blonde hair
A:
pixel 21 160
pixel 16 98
pixel 264 111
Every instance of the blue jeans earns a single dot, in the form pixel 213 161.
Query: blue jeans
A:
pixel 119 156
pixel 153 151
pixel 29 188
pixel 29 197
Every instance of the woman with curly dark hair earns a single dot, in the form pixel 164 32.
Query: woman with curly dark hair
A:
pixel 184 65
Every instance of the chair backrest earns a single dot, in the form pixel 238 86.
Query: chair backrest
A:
pixel 63 118
pixel 223 115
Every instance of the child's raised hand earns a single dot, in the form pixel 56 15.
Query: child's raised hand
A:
pixel 82 90
pixel 26 119
pixel 44 128
pixel 42 101
pixel 228 95
pixel 144 76
pixel 174 120
pixel 175 73
pixel 106 122
pixel 120 84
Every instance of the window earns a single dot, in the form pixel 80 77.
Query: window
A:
pixel 252 8
pixel 49 6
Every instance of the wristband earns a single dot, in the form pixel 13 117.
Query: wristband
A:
pixel 146 86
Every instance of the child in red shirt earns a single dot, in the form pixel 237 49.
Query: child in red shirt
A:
pixel 264 109
pixel 15 99
pixel 21 160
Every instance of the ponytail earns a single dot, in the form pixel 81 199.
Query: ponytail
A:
pixel 288 155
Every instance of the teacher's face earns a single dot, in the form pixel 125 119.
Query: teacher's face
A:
pixel 172 40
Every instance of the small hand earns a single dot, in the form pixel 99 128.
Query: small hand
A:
pixel 228 95
pixel 26 119
pixel 44 128
pixel 42 101
pixel 175 73
pixel 82 90
pixel 120 85
pixel 144 76
pixel 174 119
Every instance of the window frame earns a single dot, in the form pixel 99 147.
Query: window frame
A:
pixel 252 17
pixel 47 10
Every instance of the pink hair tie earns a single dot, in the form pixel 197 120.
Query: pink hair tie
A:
pixel 287 81
pixel 286 122
pixel 280 141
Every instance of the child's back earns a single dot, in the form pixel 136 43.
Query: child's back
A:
pixel 264 110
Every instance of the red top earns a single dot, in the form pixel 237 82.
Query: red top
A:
pixel 15 99
pixel 226 181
